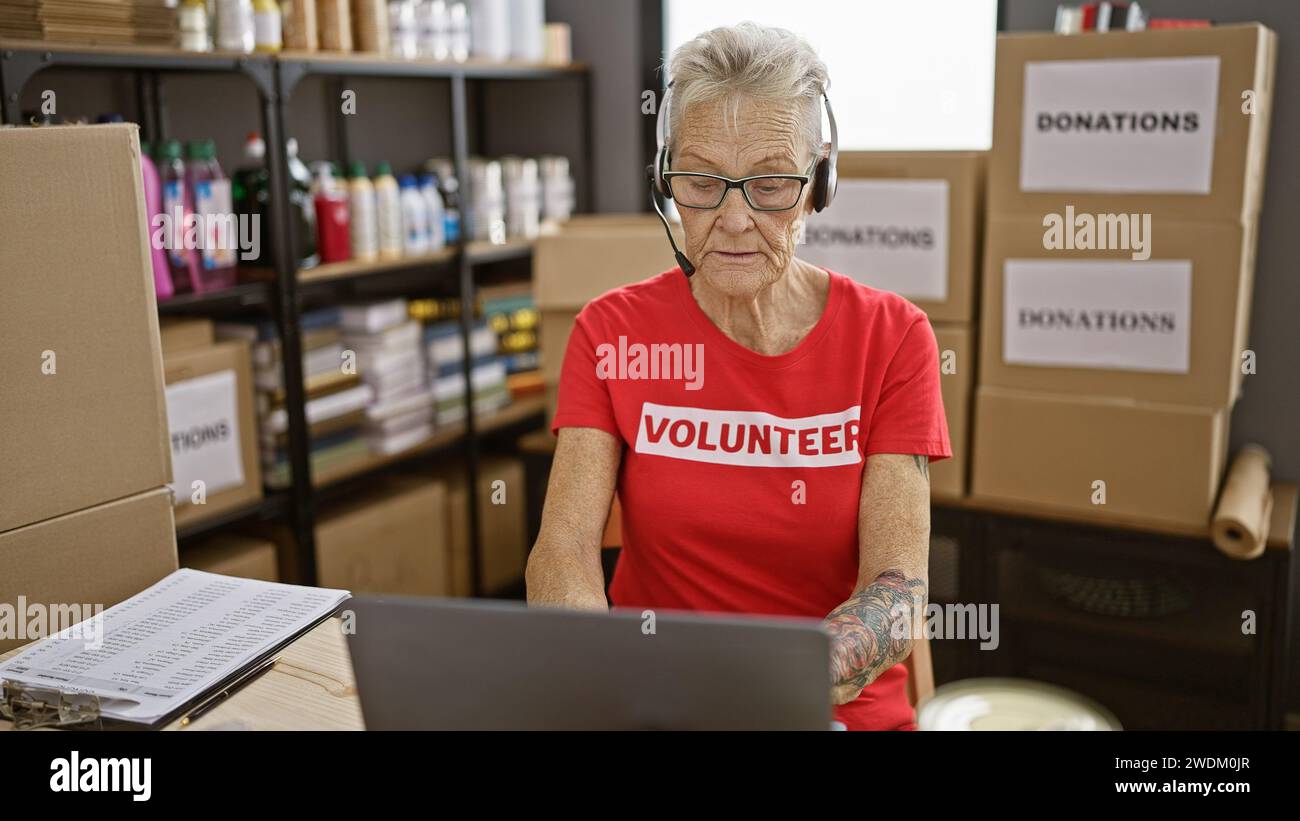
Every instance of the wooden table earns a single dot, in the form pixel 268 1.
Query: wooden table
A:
pixel 311 687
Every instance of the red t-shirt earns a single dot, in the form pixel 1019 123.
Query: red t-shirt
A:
pixel 718 437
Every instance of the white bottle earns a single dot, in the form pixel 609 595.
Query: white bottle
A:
pixel 388 210
pixel 415 218
pixel 235 25
pixel 364 230
pixel 433 210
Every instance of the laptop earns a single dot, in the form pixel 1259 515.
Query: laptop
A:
pixel 457 664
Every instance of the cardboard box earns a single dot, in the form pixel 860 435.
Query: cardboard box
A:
pixel 1161 464
pixel 393 540
pixel 213 428
pixel 908 222
pixel 553 332
pixel 234 554
pixel 957 356
pixel 98 556
pixel 503 527
pixel 178 334
pixel 1191 152
pixel 588 258
pixel 1098 323
pixel 82 402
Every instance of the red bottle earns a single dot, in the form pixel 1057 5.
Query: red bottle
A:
pixel 333 232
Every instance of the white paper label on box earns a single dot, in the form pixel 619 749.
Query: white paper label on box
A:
pixel 203 415
pixel 888 234
pixel 1119 125
pixel 1113 314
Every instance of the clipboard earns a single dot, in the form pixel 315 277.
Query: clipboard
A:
pixel 31 708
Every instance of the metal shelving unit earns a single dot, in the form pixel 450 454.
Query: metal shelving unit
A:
pixel 282 292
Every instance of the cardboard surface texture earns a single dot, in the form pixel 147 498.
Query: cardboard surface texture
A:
pixel 503 527
pixel 393 540
pixel 97 556
pixel 1160 464
pixel 957 356
pixel 233 554
pixel 1136 329
pixel 908 222
pixel 1195 148
pixel 218 442
pixel 82 404
pixel 592 256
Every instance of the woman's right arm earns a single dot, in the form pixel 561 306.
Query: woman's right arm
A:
pixel 564 568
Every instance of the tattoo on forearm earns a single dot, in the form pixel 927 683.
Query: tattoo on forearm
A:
pixel 872 631
pixel 922 464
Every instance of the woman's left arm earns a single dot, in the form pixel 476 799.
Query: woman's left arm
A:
pixel 873 630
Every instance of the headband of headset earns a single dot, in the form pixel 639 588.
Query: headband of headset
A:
pixel 825 178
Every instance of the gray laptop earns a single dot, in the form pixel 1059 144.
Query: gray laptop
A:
pixel 454 664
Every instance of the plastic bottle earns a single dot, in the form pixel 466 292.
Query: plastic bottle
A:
pixel 192 23
pixel 433 209
pixel 365 224
pixel 266 26
pixel 235 25
pixel 449 187
pixel 176 212
pixel 162 277
pixel 388 211
pixel 302 207
pixel 213 205
pixel 251 192
pixel 332 220
pixel 415 217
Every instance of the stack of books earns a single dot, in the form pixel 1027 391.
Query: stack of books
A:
pixel 387 347
pixel 336 397
pixel 511 312
pixel 446 362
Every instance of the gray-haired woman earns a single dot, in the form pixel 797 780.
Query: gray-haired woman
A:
pixel 789 476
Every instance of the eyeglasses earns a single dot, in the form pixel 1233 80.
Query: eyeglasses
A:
pixel 766 192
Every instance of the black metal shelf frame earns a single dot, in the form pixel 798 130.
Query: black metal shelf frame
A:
pixel 275 79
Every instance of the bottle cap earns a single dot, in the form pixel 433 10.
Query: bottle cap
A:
pixel 170 150
pixel 382 169
pixel 406 181
pixel 357 169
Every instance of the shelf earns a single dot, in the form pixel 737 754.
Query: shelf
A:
pixel 376 65
pixel 242 296
pixel 444 438
pixel 337 271
pixel 269 507
pixel 482 251
pixel 517 411
pixel 23 58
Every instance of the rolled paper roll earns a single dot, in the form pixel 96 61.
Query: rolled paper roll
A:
pixel 1239 527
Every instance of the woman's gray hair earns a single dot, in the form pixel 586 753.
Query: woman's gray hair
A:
pixel 749 60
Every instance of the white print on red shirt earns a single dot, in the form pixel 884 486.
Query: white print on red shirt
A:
pixel 658 360
pixel 749 438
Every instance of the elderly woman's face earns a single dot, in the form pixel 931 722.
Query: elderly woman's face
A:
pixel 739 250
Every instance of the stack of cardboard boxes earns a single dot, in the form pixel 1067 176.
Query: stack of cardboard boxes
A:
pixel 85 512
pixel 1124 188
pixel 910 222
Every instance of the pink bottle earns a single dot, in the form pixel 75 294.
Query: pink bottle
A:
pixel 177 210
pixel 210 195
pixel 162 278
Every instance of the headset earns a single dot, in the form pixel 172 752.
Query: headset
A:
pixel 824 182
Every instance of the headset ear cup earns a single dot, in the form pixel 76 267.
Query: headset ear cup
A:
pixel 821 183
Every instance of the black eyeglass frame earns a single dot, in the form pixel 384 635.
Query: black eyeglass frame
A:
pixel 803 179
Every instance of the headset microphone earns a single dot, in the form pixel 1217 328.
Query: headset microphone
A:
pixel 682 261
